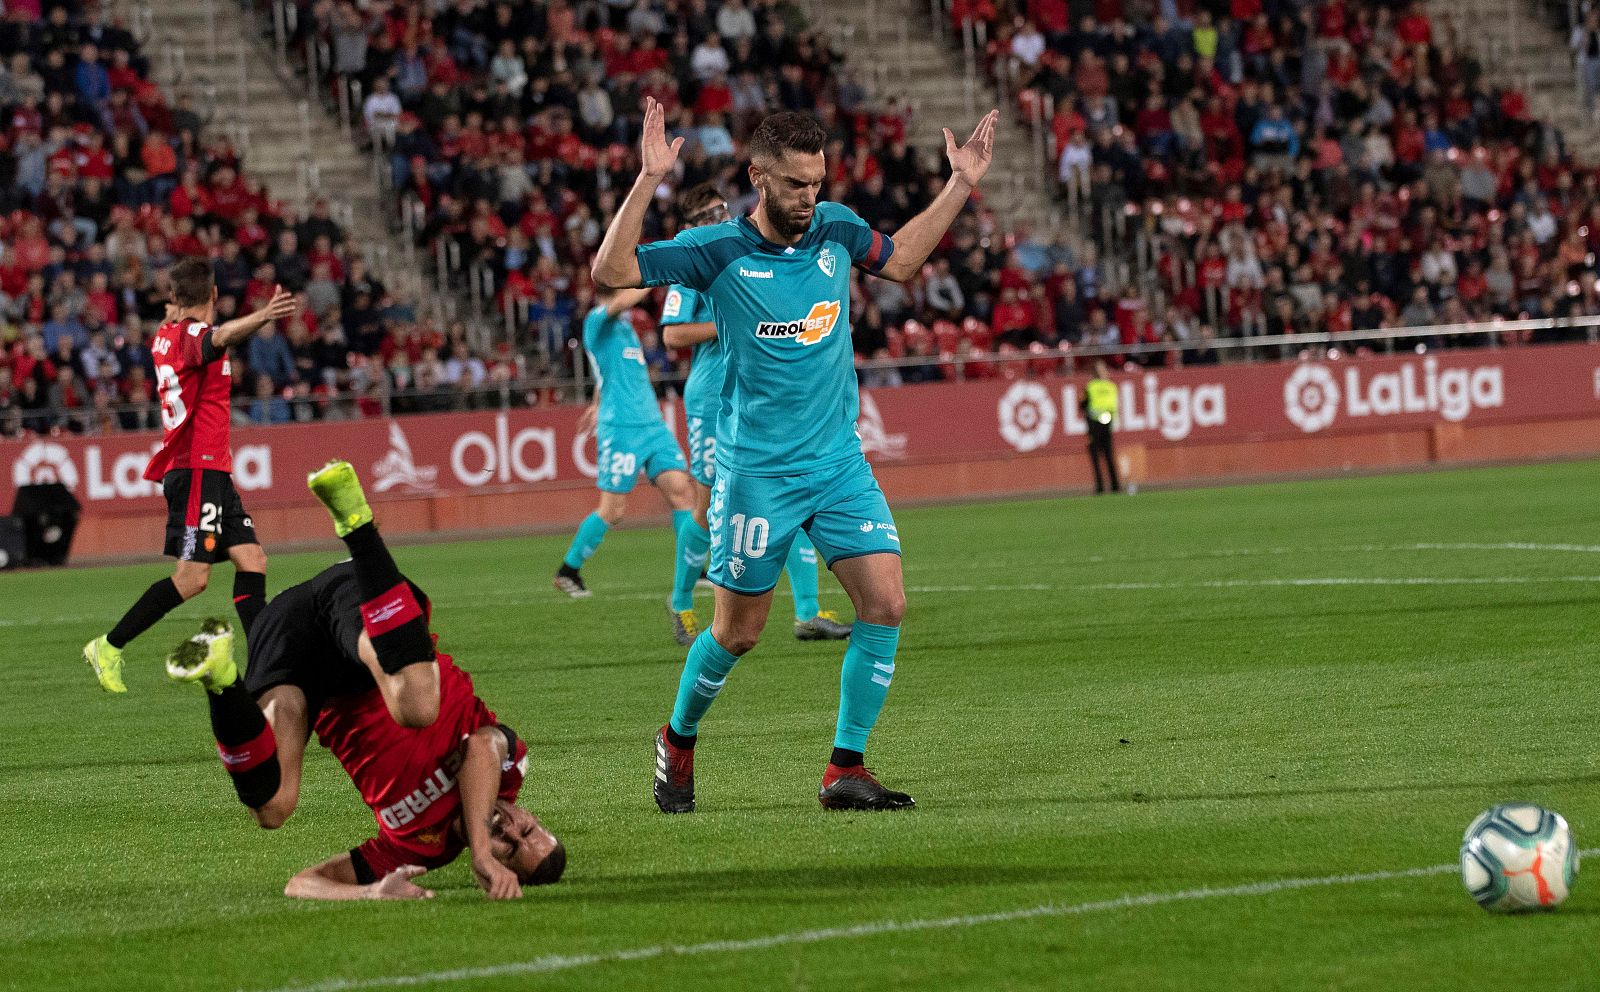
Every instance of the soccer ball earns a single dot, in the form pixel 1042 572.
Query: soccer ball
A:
pixel 1518 857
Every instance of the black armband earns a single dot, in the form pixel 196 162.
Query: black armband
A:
pixel 511 740
pixel 209 352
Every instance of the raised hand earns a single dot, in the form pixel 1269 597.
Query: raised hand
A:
pixel 282 304
pixel 655 155
pixel 971 161
pixel 398 885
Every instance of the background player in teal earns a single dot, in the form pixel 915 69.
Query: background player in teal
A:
pixel 629 435
pixel 686 322
pixel 787 454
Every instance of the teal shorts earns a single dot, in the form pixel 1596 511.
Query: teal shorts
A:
pixel 754 518
pixel 702 447
pixel 624 452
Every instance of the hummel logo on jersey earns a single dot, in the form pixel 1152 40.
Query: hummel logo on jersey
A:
pixel 753 274
pixel 818 324
pixel 825 262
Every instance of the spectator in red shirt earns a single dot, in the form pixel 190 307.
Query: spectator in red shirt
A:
pixel 1413 28
pixel 1012 320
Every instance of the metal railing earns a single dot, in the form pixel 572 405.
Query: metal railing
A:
pixel 544 390
pixel 1482 334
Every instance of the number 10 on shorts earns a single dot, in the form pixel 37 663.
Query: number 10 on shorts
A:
pixel 750 535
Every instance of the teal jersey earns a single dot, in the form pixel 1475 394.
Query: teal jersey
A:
pixel 789 399
pixel 702 391
pixel 617 359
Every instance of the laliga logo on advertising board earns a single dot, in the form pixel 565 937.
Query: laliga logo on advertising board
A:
pixel 1027 417
pixel 1312 393
pixel 1028 414
pixel 50 461
pixel 43 462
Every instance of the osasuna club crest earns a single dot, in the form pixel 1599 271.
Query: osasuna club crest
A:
pixel 825 262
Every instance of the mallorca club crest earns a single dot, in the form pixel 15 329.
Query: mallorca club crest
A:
pixel 826 263
pixel 399 468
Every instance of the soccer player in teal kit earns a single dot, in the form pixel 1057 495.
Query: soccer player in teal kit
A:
pixel 787 452
pixel 630 437
pixel 686 322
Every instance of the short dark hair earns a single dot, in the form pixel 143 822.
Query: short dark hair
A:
pixel 549 870
pixel 192 281
pixel 696 198
pixel 789 131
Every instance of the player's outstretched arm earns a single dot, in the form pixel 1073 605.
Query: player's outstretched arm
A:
pixel 335 879
pixel 615 264
pixel 591 414
pixel 479 782
pixel 282 304
pixel 624 300
pixel 914 242
pixel 687 335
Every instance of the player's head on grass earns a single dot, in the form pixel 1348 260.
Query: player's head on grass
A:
pixel 702 204
pixel 521 843
pixel 194 284
pixel 787 170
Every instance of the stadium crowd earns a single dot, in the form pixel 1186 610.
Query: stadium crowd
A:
pixel 1328 166
pixel 104 183
pixel 1298 167
pixel 1244 166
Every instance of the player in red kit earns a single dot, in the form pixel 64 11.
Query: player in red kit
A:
pixel 205 518
pixel 349 655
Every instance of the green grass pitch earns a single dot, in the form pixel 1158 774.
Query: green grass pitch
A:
pixel 1177 691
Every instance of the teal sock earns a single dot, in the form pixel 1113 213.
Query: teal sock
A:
pixel 704 671
pixel 801 565
pixel 693 541
pixel 587 541
pixel 864 682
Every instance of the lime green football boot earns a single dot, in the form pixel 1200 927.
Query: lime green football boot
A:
pixel 207 657
pixel 336 486
pixel 106 661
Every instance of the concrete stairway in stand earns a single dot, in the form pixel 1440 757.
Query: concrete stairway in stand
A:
pixel 896 50
pixel 210 49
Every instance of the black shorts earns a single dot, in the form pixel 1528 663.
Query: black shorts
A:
pixel 204 515
pixel 309 637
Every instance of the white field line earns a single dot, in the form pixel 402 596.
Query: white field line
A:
pixel 1366 548
pixel 1310 581
pixel 568 962
pixel 1490 580
pixel 1335 580
pixel 633 593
